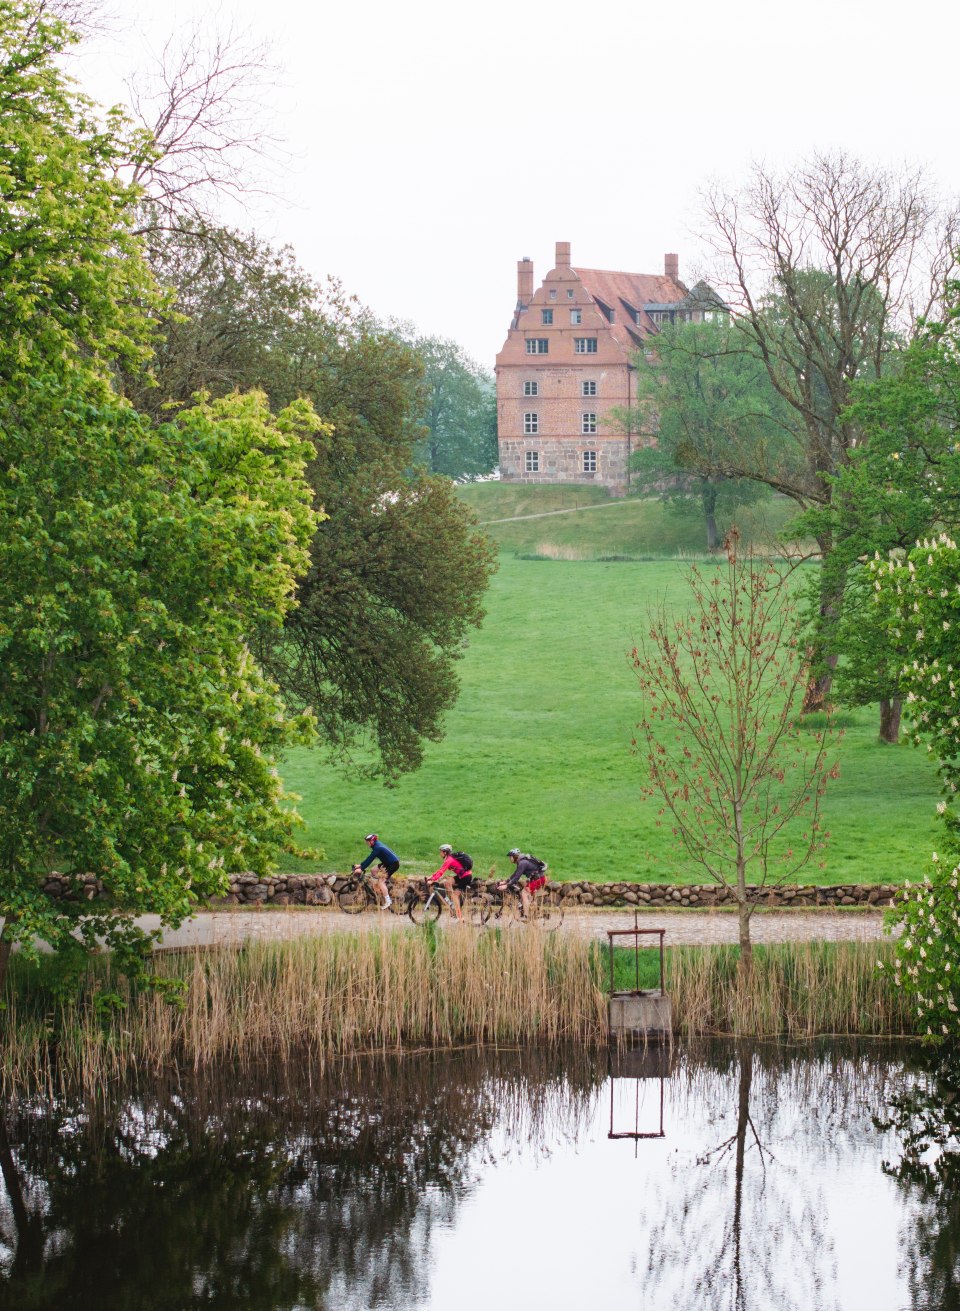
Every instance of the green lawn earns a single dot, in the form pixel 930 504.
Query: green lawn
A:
pixel 537 752
pixel 595 525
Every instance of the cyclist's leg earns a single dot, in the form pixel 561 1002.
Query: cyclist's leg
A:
pixel 380 884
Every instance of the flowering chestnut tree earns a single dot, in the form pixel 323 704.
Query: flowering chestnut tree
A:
pixel 922 595
pixel 740 782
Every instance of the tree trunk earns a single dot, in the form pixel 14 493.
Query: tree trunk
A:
pixel 822 659
pixel 745 1057
pixel 709 500
pixel 746 946
pixel 890 719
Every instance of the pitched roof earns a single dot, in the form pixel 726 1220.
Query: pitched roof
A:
pixel 626 294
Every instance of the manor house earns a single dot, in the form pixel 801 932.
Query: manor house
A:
pixel 568 362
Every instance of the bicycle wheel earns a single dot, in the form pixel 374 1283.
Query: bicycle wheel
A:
pixel 426 912
pixel 352 897
pixel 400 905
pixel 477 909
pixel 547 911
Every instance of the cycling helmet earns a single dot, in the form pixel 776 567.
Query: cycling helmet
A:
pixel 371 837
pixel 514 851
pixel 445 846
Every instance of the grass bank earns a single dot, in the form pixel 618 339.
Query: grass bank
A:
pixel 318 998
pixel 586 523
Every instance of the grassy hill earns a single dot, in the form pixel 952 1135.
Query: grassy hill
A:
pixel 586 523
pixel 537 752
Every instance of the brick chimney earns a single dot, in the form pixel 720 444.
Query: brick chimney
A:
pixel 671 267
pixel 563 254
pixel 525 281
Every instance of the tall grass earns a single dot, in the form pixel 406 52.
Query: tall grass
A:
pixel 797 990
pixel 385 992
pixel 316 997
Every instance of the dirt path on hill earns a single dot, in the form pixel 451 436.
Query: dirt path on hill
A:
pixel 546 514
pixel 683 927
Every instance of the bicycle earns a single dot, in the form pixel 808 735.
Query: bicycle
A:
pixel 427 903
pixel 358 893
pixel 504 907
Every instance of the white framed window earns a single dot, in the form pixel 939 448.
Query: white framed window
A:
pixel 588 387
pixel 584 345
pixel 531 422
pixel 531 461
pixel 552 293
pixel 576 316
pixel 546 317
pixel 589 462
pixel 531 388
pixel 588 422
pixel 538 345
pixel 569 293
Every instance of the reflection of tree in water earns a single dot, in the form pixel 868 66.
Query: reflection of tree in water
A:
pixel 925 1115
pixel 265 1193
pixel 768 1246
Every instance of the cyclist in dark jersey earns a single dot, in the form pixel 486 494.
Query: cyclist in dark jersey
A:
pixel 529 869
pixel 389 863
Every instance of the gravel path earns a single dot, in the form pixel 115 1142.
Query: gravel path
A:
pixel 694 927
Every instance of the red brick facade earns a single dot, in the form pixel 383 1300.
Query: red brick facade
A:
pixel 566 364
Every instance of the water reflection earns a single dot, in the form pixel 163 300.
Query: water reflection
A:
pixel 925 1115
pixel 754 1177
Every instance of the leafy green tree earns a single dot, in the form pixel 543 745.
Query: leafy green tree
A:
pixel 459 410
pixel 137 734
pixel 919 594
pixel 76 289
pixel 398 570
pixel 899 485
pixel 825 268
pixel 138 738
pixel 701 396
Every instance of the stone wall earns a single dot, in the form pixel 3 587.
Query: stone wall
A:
pixel 321 889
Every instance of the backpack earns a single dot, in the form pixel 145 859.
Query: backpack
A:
pixel 540 864
pixel 463 860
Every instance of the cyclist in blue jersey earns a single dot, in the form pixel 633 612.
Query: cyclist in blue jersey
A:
pixel 389 863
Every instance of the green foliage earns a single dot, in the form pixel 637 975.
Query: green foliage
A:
pixel 921 596
pixel 459 410
pixel 704 398
pixel 397 570
pixel 138 738
pixel 75 288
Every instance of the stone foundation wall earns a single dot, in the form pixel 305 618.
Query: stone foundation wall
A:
pixel 321 890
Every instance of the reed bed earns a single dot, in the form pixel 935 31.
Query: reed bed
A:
pixel 309 997
pixel 797 990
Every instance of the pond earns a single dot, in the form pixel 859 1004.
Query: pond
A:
pixel 722 1175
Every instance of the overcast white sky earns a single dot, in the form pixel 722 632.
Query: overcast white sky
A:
pixel 431 145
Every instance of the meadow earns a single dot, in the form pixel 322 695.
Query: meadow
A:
pixel 537 752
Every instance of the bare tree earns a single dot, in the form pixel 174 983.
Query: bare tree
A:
pixel 721 688
pixel 200 120
pixel 828 268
